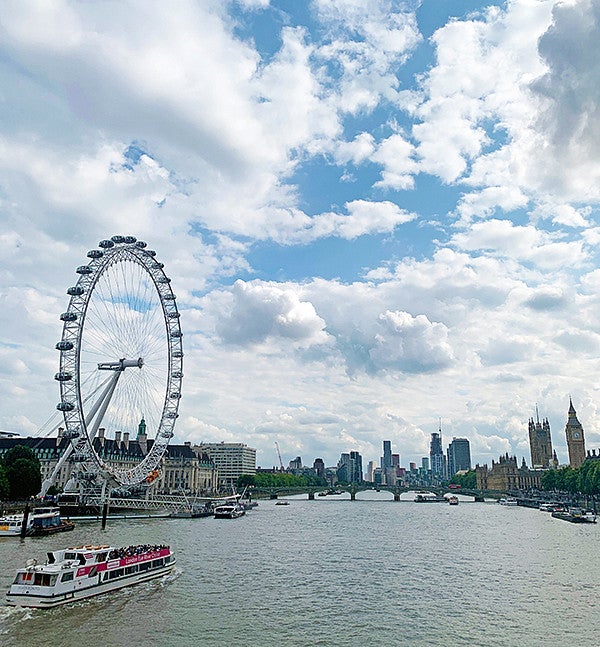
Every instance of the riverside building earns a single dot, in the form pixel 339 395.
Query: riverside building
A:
pixel 231 459
pixel 575 438
pixel 180 469
pixel 540 443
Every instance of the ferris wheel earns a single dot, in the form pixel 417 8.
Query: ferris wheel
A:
pixel 121 362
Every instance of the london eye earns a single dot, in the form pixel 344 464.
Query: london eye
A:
pixel 121 361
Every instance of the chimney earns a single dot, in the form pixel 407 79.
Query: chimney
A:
pixel 100 436
pixel 118 437
pixel 61 433
pixel 126 440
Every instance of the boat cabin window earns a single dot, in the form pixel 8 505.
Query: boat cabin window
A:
pixel 70 556
pixel 51 559
pixel 101 557
pixel 67 577
pixel 24 578
pixel 81 558
pixel 158 562
pixel 116 573
pixel 44 579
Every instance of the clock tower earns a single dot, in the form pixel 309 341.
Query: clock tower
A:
pixel 575 439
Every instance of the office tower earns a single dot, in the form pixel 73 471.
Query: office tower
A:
pixel 319 467
pixel 459 456
pixel 387 455
pixel 436 457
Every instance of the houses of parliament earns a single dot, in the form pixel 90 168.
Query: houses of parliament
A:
pixel 506 474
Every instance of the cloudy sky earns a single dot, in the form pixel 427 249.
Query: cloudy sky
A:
pixel 375 213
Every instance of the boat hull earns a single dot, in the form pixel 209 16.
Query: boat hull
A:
pixel 38 601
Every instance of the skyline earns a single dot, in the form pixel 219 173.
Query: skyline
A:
pixel 375 214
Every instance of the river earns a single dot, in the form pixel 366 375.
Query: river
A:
pixel 335 572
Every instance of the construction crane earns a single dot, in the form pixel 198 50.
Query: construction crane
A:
pixel 279 454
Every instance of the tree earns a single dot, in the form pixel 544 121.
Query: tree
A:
pixel 22 470
pixel 4 484
pixel 467 480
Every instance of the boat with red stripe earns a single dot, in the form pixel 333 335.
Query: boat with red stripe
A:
pixel 84 571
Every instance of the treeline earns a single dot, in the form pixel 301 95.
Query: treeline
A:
pixel 583 480
pixel 278 479
pixel 20 475
pixel 468 480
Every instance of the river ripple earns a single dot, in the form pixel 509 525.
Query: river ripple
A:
pixel 333 572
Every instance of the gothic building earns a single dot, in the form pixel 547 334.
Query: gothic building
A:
pixel 506 476
pixel 540 443
pixel 575 438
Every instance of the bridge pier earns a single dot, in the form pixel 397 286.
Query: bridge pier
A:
pixel 311 496
pixel 273 495
pixel 396 496
pixel 352 495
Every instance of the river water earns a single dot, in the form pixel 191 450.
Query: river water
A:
pixel 332 572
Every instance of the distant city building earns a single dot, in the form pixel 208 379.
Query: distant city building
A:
pixel 459 456
pixel 386 459
pixel 371 467
pixel 349 468
pixel 575 438
pixel 295 464
pixel 436 457
pixel 506 476
pixel 425 463
pixel 319 467
pixel 232 460
pixel 412 466
pixel 395 460
pixel 540 443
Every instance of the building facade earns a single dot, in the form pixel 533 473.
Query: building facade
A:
pixel 349 468
pixel 459 456
pixel 575 438
pixel 231 459
pixel 540 443
pixel 506 476
pixel 180 468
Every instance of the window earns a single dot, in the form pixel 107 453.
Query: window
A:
pixel 131 569
pixel 67 577
pixel 158 562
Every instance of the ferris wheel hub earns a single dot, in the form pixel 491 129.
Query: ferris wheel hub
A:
pixel 121 365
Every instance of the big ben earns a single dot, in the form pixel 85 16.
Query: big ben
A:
pixel 575 438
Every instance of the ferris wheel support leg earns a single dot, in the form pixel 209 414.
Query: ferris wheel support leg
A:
pixel 109 389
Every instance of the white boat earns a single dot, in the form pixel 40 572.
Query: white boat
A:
pixel 84 571
pixel 41 521
pixel 11 524
pixel 453 500
pixel 229 511
pixel 509 501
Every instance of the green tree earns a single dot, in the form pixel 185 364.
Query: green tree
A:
pixel 22 470
pixel 468 480
pixel 4 484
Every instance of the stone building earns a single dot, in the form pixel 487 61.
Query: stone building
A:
pixel 505 475
pixel 540 443
pixel 575 438
pixel 180 469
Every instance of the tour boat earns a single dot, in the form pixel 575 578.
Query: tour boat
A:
pixel 41 521
pixel 509 501
pixel 84 571
pixel 229 511
pixel 453 500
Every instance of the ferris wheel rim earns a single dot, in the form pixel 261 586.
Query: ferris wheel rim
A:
pixel 109 254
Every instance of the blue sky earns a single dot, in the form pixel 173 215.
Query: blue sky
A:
pixel 375 214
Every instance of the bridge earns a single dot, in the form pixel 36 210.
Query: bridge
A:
pixel 354 488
